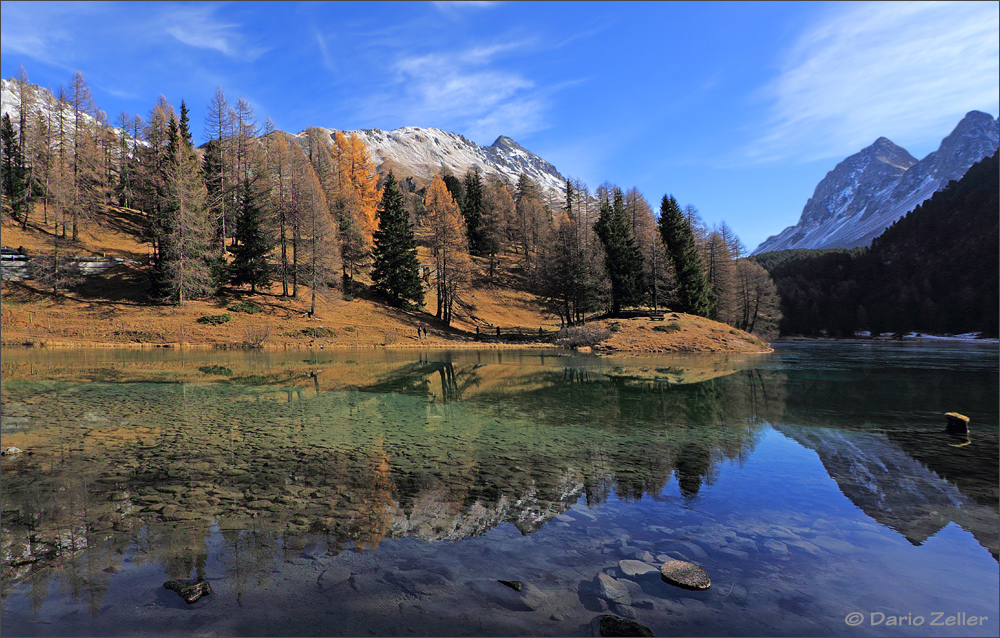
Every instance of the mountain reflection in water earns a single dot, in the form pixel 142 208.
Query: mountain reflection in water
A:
pixel 273 454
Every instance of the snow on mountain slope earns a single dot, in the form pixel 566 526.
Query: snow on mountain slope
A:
pixel 870 190
pixel 424 152
pixel 410 151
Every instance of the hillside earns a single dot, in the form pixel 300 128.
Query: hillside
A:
pixel 113 310
pixel 935 270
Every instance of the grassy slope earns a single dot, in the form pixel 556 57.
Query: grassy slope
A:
pixel 112 310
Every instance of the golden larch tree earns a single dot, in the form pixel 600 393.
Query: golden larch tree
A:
pixel 449 245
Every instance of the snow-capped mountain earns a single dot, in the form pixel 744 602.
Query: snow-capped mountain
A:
pixel 870 190
pixel 423 152
pixel 410 151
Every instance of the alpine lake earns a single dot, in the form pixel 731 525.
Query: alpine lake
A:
pixel 388 492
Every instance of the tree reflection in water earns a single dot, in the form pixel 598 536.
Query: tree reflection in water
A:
pixel 270 459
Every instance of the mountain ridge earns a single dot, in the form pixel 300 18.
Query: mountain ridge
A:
pixel 860 197
pixel 422 152
pixel 418 152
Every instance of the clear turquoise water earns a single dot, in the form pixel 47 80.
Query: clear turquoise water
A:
pixel 810 484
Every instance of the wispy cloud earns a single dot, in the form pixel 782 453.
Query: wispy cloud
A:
pixel 198 26
pixel 465 90
pixel 456 8
pixel 902 70
pixel 324 52
pixel 44 31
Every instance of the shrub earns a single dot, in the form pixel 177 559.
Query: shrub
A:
pixel 215 320
pixel 318 331
pixel 249 307
pixel 577 336
pixel 673 326
pixel 217 370
pixel 255 336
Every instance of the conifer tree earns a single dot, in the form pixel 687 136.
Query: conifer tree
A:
pixel 14 176
pixel 184 269
pixel 355 202
pixel 564 275
pixel 498 212
pixel 623 260
pixel 218 165
pixel 456 188
pixel 254 236
pixel 27 141
pixel 313 235
pixel 472 210
pixel 395 269
pixel 448 243
pixel 693 290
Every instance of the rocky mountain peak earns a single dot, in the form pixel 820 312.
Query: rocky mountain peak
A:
pixel 871 189
pixel 884 150
pixel 420 153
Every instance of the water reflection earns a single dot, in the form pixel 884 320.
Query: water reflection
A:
pixel 439 449
pixel 153 462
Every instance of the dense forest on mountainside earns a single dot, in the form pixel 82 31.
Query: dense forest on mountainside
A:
pixel 262 210
pixel 934 270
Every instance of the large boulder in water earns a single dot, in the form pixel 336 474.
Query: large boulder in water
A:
pixel 684 574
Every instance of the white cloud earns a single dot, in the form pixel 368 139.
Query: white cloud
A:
pixel 197 26
pixel 44 31
pixel 455 7
pixel 907 71
pixel 465 91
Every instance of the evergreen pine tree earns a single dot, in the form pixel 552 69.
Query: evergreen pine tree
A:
pixel 621 257
pixel 395 269
pixel 693 289
pixel 15 186
pixel 456 188
pixel 184 268
pixel 254 236
pixel 472 210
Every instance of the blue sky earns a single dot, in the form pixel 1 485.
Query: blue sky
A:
pixel 737 108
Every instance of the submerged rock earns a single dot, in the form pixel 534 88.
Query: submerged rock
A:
pixel 611 589
pixel 631 567
pixel 608 625
pixel 190 592
pixel 684 574
pixel 516 585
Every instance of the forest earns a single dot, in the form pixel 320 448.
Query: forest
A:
pixel 933 271
pixel 262 210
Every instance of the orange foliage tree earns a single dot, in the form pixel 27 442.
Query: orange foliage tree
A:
pixel 357 201
pixel 449 245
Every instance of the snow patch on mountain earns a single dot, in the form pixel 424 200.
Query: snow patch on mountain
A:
pixel 425 152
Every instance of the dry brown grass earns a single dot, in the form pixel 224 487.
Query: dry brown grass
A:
pixel 112 310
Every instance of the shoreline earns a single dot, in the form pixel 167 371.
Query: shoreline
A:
pixel 55 344
pixel 909 338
